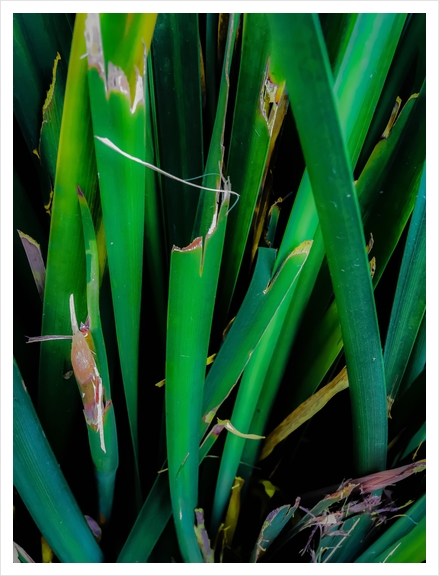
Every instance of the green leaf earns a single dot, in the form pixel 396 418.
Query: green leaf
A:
pixel 207 203
pixel 106 463
pixel 414 443
pixel 387 191
pixel 51 125
pixel 176 67
pixel 263 298
pixel 342 231
pixel 417 358
pixel 410 548
pixel 343 549
pixel 193 281
pixel 192 290
pixel 274 350
pixel 43 488
pixel 272 526
pixel 37 39
pixel 407 424
pixel 243 412
pixel 118 113
pixel 65 269
pixel 410 299
pixel 210 64
pixel 157 511
pixel 156 253
pixel 411 48
pixel 150 523
pixel 240 342
pixel 249 144
pixel 337 30
pixel 356 89
pixel 399 529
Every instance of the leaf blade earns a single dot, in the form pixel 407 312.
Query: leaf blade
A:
pixel 340 221
pixel 43 488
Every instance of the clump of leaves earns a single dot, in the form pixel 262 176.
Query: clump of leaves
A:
pixel 248 296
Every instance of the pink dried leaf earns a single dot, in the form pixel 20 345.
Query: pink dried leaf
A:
pixel 380 480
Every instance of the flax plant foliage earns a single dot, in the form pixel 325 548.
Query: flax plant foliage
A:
pixel 233 207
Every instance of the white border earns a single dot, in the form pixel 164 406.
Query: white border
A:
pixel 7 9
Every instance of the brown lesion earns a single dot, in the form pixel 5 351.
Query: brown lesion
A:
pixel 197 243
pixel 372 262
pixel 392 119
pixel 272 98
pixel 91 413
pixel 82 360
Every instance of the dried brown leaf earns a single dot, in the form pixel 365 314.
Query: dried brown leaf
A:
pixel 304 412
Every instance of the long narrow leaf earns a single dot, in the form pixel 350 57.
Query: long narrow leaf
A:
pixel 156 512
pixel 191 295
pixel 399 529
pixel 106 463
pixel 259 305
pixel 116 83
pixel 65 269
pixel 156 253
pixel 410 49
pixel 417 358
pixel 176 67
pixel 355 93
pixel 410 298
pixel 193 281
pixel 43 488
pixel 391 181
pixel 215 159
pixel 264 297
pixel 249 143
pixel 37 39
pixel 342 231
pixel 273 525
pixel 411 548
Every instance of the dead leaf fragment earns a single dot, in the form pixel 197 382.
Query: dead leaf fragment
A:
pixel 380 480
pixel 35 259
pixel 233 510
pixel 203 537
pixel 304 412
pixel 229 426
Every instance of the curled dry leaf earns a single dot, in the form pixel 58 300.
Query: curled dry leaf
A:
pixel 382 479
pixel 229 426
pixel 304 412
